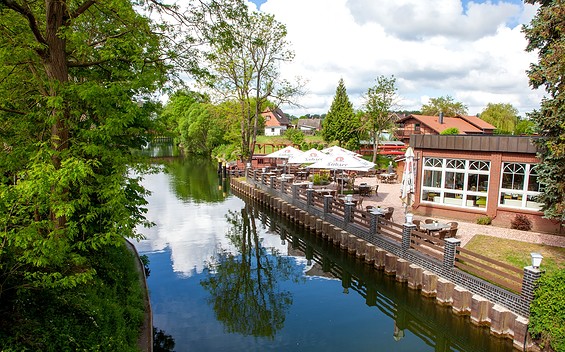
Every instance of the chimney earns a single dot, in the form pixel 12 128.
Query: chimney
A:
pixel 441 117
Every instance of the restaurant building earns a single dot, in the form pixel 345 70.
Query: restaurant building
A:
pixel 469 176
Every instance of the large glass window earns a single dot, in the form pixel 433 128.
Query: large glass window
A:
pixel 519 186
pixel 455 182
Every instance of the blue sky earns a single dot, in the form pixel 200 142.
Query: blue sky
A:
pixel 470 50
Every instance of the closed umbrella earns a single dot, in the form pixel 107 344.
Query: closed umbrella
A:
pixel 407 185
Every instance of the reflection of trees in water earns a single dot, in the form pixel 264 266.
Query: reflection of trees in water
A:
pixel 195 179
pixel 162 342
pixel 244 287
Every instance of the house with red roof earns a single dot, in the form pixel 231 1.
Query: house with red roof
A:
pixel 276 122
pixel 422 124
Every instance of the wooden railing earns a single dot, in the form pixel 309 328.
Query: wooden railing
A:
pixel 427 244
pixel 390 229
pixel 497 272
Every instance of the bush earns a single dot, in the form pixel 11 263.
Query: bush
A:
pixel 521 222
pixel 450 130
pixel 321 179
pixel 547 311
pixel 295 136
pixel 484 220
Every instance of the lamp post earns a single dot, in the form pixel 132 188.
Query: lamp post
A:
pixel 536 259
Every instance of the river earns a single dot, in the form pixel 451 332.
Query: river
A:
pixel 228 275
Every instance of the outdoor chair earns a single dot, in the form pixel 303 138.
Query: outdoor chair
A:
pixel 360 204
pixel 429 221
pixel 417 223
pixel 453 224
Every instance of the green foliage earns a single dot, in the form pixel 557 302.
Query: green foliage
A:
pixel 450 130
pixel 321 179
pixel 341 123
pixel 521 222
pixel 484 220
pixel 446 104
pixel 377 117
pixel 547 321
pixel 295 136
pixel 545 35
pixel 502 116
pixel 104 315
pixel 525 127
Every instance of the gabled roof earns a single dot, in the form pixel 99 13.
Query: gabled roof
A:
pixel 310 123
pixel 465 124
pixel 275 117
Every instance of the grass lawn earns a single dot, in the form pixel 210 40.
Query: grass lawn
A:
pixel 517 253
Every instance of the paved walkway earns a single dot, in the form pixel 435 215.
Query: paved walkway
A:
pixel 389 196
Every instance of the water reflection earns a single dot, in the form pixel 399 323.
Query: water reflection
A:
pixel 244 286
pixel 228 275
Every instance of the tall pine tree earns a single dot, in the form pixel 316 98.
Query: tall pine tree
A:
pixel 545 34
pixel 341 123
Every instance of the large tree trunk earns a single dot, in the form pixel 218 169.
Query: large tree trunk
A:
pixel 55 63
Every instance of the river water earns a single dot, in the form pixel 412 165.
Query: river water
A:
pixel 228 275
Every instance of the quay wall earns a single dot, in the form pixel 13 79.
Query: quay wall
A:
pixel 504 321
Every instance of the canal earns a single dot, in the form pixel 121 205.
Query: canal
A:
pixel 228 275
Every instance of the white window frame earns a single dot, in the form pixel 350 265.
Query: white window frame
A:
pixel 465 197
pixel 517 198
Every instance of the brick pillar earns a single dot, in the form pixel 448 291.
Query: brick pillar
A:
pixel 406 232
pixel 328 199
pixel 531 275
pixel 449 251
pixel 272 179
pixel 310 196
pixel 294 191
pixel 283 184
pixel 373 226
pixel 349 209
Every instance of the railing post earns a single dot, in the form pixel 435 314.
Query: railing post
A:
pixel 283 185
pixel 449 252
pixel 309 197
pixel 349 209
pixel 294 192
pixel 531 276
pixel 375 218
pixel 406 233
pixel 272 179
pixel 328 199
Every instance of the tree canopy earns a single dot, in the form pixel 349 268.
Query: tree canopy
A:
pixel 446 104
pixel 76 83
pixel 341 123
pixel 502 116
pixel 377 116
pixel 242 55
pixel 545 35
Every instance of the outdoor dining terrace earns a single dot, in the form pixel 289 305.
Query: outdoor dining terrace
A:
pixel 443 255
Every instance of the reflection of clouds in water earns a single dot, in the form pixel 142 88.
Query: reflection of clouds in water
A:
pixel 195 233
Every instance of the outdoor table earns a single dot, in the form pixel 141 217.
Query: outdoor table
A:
pixel 387 178
pixel 434 227
pixel 364 190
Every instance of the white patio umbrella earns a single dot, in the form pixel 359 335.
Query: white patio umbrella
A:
pixel 285 153
pixel 310 156
pixel 341 162
pixel 338 150
pixel 407 185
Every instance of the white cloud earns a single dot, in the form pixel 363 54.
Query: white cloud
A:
pixel 472 51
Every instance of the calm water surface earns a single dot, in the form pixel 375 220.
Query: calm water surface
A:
pixel 227 275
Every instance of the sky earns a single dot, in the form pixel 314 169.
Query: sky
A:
pixel 473 51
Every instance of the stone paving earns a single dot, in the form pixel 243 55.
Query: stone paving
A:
pixel 389 196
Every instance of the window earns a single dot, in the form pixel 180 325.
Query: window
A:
pixel 416 127
pixel 519 186
pixel 455 182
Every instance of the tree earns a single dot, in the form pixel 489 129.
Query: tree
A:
pixel 450 130
pixel 243 53
pixel 341 124
pixel 545 34
pixel 502 116
pixel 446 104
pixel 76 81
pixel 378 103
pixel 525 127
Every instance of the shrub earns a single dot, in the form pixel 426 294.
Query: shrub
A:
pixel 295 136
pixel 450 130
pixel 547 311
pixel 521 222
pixel 484 220
pixel 321 179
